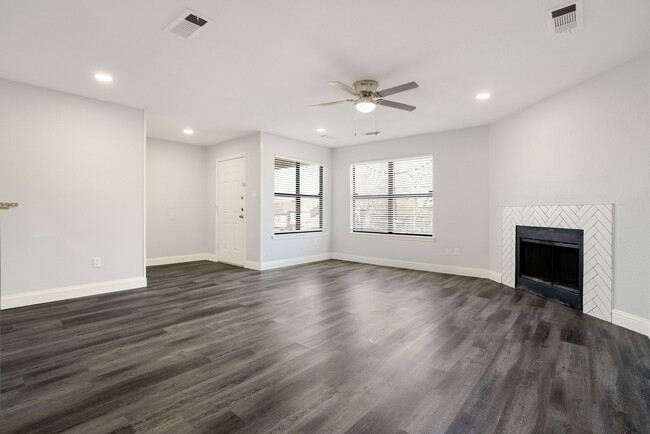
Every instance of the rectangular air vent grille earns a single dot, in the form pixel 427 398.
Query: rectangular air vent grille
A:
pixel 566 18
pixel 189 24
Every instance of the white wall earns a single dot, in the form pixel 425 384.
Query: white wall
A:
pixel 460 176
pixel 588 144
pixel 177 198
pixel 76 167
pixel 249 145
pixel 287 247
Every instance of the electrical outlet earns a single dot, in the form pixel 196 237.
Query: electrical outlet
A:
pixel 447 251
pixel 97 262
pixel 457 251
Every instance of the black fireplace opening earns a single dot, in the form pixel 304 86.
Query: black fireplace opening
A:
pixel 549 263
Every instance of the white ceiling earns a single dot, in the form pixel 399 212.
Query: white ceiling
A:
pixel 262 63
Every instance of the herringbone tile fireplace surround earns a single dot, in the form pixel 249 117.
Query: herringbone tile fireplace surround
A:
pixel 597 222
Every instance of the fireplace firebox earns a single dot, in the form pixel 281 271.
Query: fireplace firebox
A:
pixel 549 263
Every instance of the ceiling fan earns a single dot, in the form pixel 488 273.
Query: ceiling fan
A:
pixel 368 97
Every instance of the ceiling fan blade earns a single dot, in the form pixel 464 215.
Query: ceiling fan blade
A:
pixel 397 105
pixel 397 89
pixel 344 87
pixel 330 103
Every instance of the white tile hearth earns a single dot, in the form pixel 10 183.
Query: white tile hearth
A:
pixel 597 222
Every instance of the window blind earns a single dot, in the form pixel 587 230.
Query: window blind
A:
pixel 298 196
pixel 393 196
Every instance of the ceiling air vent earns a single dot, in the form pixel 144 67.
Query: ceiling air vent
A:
pixel 189 24
pixel 566 17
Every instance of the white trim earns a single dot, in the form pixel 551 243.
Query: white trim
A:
pixel 294 235
pixel 260 204
pixel 394 158
pixel 232 157
pixel 436 268
pixel 556 204
pixel 144 195
pixel 493 275
pixel 164 260
pixel 400 237
pixel 297 160
pixel 631 322
pixel 294 261
pixel 253 265
pixel 56 294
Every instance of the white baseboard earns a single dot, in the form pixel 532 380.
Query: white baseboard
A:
pixel 253 265
pixel 422 266
pixel 493 275
pixel 57 294
pixel 269 265
pixel 181 258
pixel 631 322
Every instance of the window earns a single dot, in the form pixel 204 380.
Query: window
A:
pixel 298 196
pixel 393 197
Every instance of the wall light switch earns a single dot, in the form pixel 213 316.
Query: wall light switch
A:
pixel 447 251
pixel 457 251
pixel 97 262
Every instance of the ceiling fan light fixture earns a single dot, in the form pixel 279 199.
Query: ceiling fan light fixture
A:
pixel 367 96
pixel 365 105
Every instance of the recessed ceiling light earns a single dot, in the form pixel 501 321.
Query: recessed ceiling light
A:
pixel 483 95
pixel 103 77
pixel 320 130
pixel 188 131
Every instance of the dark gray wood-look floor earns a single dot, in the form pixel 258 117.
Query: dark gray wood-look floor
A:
pixel 326 347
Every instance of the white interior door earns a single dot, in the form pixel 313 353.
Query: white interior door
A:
pixel 231 198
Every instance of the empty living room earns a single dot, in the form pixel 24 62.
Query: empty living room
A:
pixel 324 217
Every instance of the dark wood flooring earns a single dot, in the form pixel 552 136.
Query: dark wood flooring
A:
pixel 327 347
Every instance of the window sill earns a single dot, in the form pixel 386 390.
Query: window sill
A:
pixel 394 237
pixel 292 236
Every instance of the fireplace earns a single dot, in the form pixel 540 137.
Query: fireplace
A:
pixel 549 263
pixel 596 220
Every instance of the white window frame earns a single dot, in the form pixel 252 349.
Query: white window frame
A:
pixel 302 233
pixel 390 235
